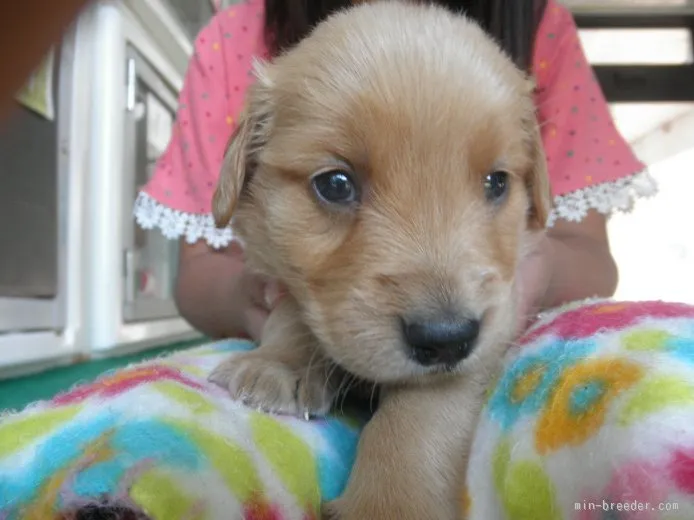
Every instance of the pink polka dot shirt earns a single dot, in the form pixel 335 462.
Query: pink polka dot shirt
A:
pixel 590 164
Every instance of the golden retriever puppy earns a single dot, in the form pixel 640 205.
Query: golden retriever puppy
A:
pixel 389 172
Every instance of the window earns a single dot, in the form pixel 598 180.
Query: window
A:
pixel 193 14
pixel 150 259
pixel 658 46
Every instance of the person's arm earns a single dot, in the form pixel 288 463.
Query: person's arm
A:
pixel 571 262
pixel 28 29
pixel 205 287
pixel 218 296
pixel 583 265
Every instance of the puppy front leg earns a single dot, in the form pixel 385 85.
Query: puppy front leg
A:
pixel 412 455
pixel 286 374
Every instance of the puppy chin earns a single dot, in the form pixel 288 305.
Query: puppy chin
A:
pixel 382 360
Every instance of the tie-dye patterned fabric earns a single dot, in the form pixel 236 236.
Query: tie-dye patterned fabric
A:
pixel 157 441
pixel 591 418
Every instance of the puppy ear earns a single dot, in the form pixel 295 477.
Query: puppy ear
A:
pixel 241 156
pixel 537 181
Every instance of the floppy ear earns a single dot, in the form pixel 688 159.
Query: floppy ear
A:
pixel 537 182
pixel 241 156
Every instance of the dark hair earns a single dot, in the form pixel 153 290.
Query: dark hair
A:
pixel 513 23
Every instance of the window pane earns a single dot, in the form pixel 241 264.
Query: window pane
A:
pixel 634 120
pixel 607 4
pixel 193 14
pixel 637 46
pixel 157 256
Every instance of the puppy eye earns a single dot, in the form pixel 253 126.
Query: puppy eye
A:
pixel 495 185
pixel 335 187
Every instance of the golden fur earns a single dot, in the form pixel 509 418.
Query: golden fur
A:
pixel 419 106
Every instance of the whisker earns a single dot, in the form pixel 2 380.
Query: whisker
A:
pixel 310 364
pixel 373 392
pixel 332 368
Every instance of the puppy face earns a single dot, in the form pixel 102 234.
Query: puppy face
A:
pixel 389 170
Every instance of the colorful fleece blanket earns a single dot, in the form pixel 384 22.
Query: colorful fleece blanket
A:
pixel 157 441
pixel 592 417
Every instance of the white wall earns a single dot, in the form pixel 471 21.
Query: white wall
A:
pixel 654 244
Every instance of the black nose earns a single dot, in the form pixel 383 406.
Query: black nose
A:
pixel 441 342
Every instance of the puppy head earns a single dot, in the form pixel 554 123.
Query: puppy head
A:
pixel 389 170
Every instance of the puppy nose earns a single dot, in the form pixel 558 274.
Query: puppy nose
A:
pixel 441 342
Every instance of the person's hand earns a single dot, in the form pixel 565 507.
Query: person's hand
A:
pixel 533 280
pixel 256 297
pixel 219 296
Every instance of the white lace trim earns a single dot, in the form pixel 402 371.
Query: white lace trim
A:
pixel 174 224
pixel 606 197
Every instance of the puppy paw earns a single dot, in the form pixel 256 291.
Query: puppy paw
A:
pixel 274 387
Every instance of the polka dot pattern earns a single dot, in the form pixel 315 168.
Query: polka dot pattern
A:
pixel 213 94
pixel 581 142
pixel 582 146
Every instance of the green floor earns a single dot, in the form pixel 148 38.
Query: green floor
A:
pixel 17 393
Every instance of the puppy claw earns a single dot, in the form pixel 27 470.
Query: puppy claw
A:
pixel 274 387
pixel 332 511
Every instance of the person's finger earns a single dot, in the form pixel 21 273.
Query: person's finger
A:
pixel 274 291
pixel 255 321
pixel 255 289
pixel 264 292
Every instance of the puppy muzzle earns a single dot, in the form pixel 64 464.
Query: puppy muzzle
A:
pixel 442 341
